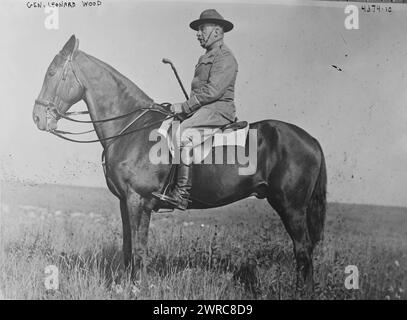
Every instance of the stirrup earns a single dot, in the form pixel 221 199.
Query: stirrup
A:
pixel 169 200
pixel 162 197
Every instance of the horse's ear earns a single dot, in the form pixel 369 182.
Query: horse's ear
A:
pixel 76 45
pixel 69 46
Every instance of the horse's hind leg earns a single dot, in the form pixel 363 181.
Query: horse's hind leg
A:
pixel 295 222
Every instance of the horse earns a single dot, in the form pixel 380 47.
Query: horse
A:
pixel 290 173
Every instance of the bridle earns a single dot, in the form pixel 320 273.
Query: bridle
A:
pixel 52 111
pixel 52 106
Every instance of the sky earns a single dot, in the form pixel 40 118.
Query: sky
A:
pixel 285 51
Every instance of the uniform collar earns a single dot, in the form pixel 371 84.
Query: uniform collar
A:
pixel 217 46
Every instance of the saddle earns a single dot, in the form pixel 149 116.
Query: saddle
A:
pixel 231 134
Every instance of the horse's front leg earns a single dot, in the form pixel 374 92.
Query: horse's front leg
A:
pixel 126 236
pixel 139 217
pixel 142 235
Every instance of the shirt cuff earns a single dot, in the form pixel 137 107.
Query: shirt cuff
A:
pixel 191 105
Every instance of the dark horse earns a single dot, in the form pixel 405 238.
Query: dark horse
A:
pixel 290 172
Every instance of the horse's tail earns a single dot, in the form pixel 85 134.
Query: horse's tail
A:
pixel 316 210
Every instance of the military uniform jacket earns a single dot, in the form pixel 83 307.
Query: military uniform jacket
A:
pixel 212 90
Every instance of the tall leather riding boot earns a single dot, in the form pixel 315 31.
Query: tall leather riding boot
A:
pixel 182 188
pixel 178 197
pixel 180 194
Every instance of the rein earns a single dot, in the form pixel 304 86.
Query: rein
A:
pixel 122 132
pixel 94 121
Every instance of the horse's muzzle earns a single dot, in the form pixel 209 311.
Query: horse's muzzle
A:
pixel 43 118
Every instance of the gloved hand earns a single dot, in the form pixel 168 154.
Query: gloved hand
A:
pixel 177 108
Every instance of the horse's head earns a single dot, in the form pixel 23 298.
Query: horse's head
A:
pixel 61 88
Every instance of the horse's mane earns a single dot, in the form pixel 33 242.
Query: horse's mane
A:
pixel 123 82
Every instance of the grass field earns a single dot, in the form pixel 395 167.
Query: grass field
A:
pixel 237 252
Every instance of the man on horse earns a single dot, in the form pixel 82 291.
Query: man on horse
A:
pixel 211 101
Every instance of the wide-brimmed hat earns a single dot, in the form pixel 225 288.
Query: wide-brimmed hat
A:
pixel 211 16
